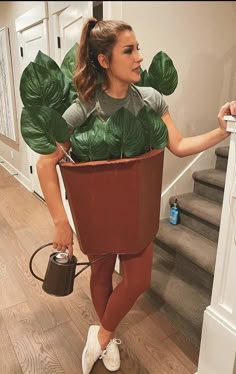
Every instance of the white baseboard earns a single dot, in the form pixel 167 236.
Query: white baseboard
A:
pixel 217 352
pixel 16 173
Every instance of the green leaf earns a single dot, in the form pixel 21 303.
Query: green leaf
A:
pixel 66 91
pixel 69 62
pixel 121 136
pixel 89 140
pixel 162 74
pixel 48 63
pixel 69 93
pixel 42 127
pixel 156 133
pixel 144 81
pixel 39 88
pixel 125 135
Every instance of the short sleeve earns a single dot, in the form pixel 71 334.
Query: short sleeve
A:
pixel 154 99
pixel 160 102
pixel 74 115
pixel 78 112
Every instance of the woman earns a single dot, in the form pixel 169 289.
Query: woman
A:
pixel 110 48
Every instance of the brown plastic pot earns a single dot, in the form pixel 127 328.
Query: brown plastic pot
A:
pixel 115 204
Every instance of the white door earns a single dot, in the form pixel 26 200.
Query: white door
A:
pixel 31 39
pixel 67 22
pixel 32 29
pixel 67 19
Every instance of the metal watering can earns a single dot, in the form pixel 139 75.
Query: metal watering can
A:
pixel 60 273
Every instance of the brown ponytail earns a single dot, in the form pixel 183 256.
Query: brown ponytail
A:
pixel 97 37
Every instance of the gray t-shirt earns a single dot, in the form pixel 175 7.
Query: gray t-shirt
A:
pixel 105 105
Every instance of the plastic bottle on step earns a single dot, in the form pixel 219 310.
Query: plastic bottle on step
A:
pixel 174 213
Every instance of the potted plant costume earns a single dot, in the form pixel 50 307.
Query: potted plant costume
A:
pixel 114 189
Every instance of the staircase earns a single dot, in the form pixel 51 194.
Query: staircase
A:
pixel 184 254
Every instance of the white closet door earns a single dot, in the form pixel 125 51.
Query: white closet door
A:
pixel 31 39
pixel 67 18
pixel 67 21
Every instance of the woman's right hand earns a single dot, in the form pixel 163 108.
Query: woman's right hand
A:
pixel 63 237
pixel 226 110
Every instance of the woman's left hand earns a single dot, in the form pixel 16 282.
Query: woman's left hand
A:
pixel 226 110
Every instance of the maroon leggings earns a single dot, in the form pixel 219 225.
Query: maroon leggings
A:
pixel 112 305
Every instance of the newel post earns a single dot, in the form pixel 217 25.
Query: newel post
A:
pixel 218 343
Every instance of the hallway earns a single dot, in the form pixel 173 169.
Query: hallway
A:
pixel 42 334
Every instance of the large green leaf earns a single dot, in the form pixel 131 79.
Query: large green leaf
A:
pixel 48 63
pixel 89 140
pixel 144 81
pixel 66 90
pixel 69 93
pixel 42 127
pixel 162 74
pixel 156 133
pixel 39 88
pixel 121 136
pixel 69 62
pixel 72 94
pixel 125 135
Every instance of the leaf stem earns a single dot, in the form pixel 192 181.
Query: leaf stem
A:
pixel 67 155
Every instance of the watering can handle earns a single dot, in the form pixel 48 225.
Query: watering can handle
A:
pixel 31 260
pixel 87 264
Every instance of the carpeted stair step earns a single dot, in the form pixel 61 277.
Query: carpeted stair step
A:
pixel 199 214
pixel 222 158
pixel 184 254
pixel 174 281
pixel 191 245
pixel 210 184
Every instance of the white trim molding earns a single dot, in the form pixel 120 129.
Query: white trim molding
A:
pixel 15 173
pixel 218 343
pixel 112 10
pixel 33 16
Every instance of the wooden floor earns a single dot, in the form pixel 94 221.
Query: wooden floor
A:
pixel 42 334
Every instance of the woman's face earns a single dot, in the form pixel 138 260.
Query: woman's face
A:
pixel 125 63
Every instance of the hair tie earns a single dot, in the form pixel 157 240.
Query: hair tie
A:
pixel 91 24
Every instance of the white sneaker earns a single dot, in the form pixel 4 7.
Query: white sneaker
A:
pixel 92 350
pixel 111 355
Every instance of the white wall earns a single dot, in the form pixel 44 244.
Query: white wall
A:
pixel 199 37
